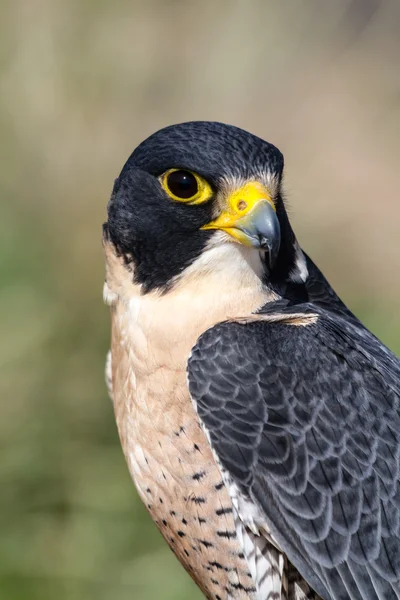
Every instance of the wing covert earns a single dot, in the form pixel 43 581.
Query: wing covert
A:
pixel 305 419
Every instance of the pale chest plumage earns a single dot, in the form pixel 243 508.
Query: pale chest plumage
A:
pixel 167 453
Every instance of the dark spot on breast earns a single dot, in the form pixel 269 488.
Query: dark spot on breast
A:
pixel 148 490
pixel 219 486
pixel 206 544
pixel 214 581
pixel 224 511
pixel 201 520
pixel 172 513
pixel 195 446
pixel 240 586
pixel 240 555
pixel 199 475
pixel 198 499
pixel 161 500
pixel 163 474
pixel 218 597
pixel 218 565
pixel 171 539
pixel 227 534
pixel 186 552
pixel 181 533
pixel 164 522
pixel 184 521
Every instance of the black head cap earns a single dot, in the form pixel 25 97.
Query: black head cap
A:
pixel 160 237
pixel 214 150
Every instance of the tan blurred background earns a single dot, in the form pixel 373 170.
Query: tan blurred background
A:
pixel 82 82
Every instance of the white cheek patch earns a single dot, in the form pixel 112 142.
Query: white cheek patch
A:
pixel 224 264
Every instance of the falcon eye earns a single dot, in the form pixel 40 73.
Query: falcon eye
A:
pixel 182 184
pixel 186 186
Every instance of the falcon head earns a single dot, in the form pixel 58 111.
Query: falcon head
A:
pixel 193 193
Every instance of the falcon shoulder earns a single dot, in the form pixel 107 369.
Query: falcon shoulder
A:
pixel 301 407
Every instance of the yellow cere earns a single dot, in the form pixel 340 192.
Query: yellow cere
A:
pixel 239 204
pixel 203 193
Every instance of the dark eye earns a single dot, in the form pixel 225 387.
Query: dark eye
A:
pixel 182 184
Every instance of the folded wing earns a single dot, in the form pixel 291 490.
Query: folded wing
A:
pixel 302 413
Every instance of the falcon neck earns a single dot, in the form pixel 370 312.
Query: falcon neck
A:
pixel 225 282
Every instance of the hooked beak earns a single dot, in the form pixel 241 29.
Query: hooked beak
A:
pixel 250 218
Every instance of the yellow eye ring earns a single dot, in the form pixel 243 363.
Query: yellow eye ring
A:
pixel 185 186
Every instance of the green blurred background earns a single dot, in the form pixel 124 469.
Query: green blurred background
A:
pixel 82 82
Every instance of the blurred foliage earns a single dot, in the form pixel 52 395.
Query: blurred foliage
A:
pixel 82 82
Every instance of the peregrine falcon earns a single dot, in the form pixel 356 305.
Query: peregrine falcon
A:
pixel 259 418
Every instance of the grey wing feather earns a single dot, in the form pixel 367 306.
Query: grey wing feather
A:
pixel 306 421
